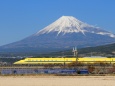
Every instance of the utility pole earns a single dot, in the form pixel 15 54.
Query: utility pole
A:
pixel 75 53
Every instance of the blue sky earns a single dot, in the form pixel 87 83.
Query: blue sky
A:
pixel 22 18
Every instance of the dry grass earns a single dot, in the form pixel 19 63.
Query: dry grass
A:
pixel 57 80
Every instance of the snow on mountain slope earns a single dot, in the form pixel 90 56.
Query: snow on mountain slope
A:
pixel 65 24
pixel 69 24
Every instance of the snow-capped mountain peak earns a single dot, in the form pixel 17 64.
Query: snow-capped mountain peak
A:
pixel 65 24
pixel 69 24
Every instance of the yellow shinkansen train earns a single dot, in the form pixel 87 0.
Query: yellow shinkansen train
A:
pixel 65 60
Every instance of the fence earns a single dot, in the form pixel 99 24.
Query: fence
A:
pixel 41 71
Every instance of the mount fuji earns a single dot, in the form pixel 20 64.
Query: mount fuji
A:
pixel 64 33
